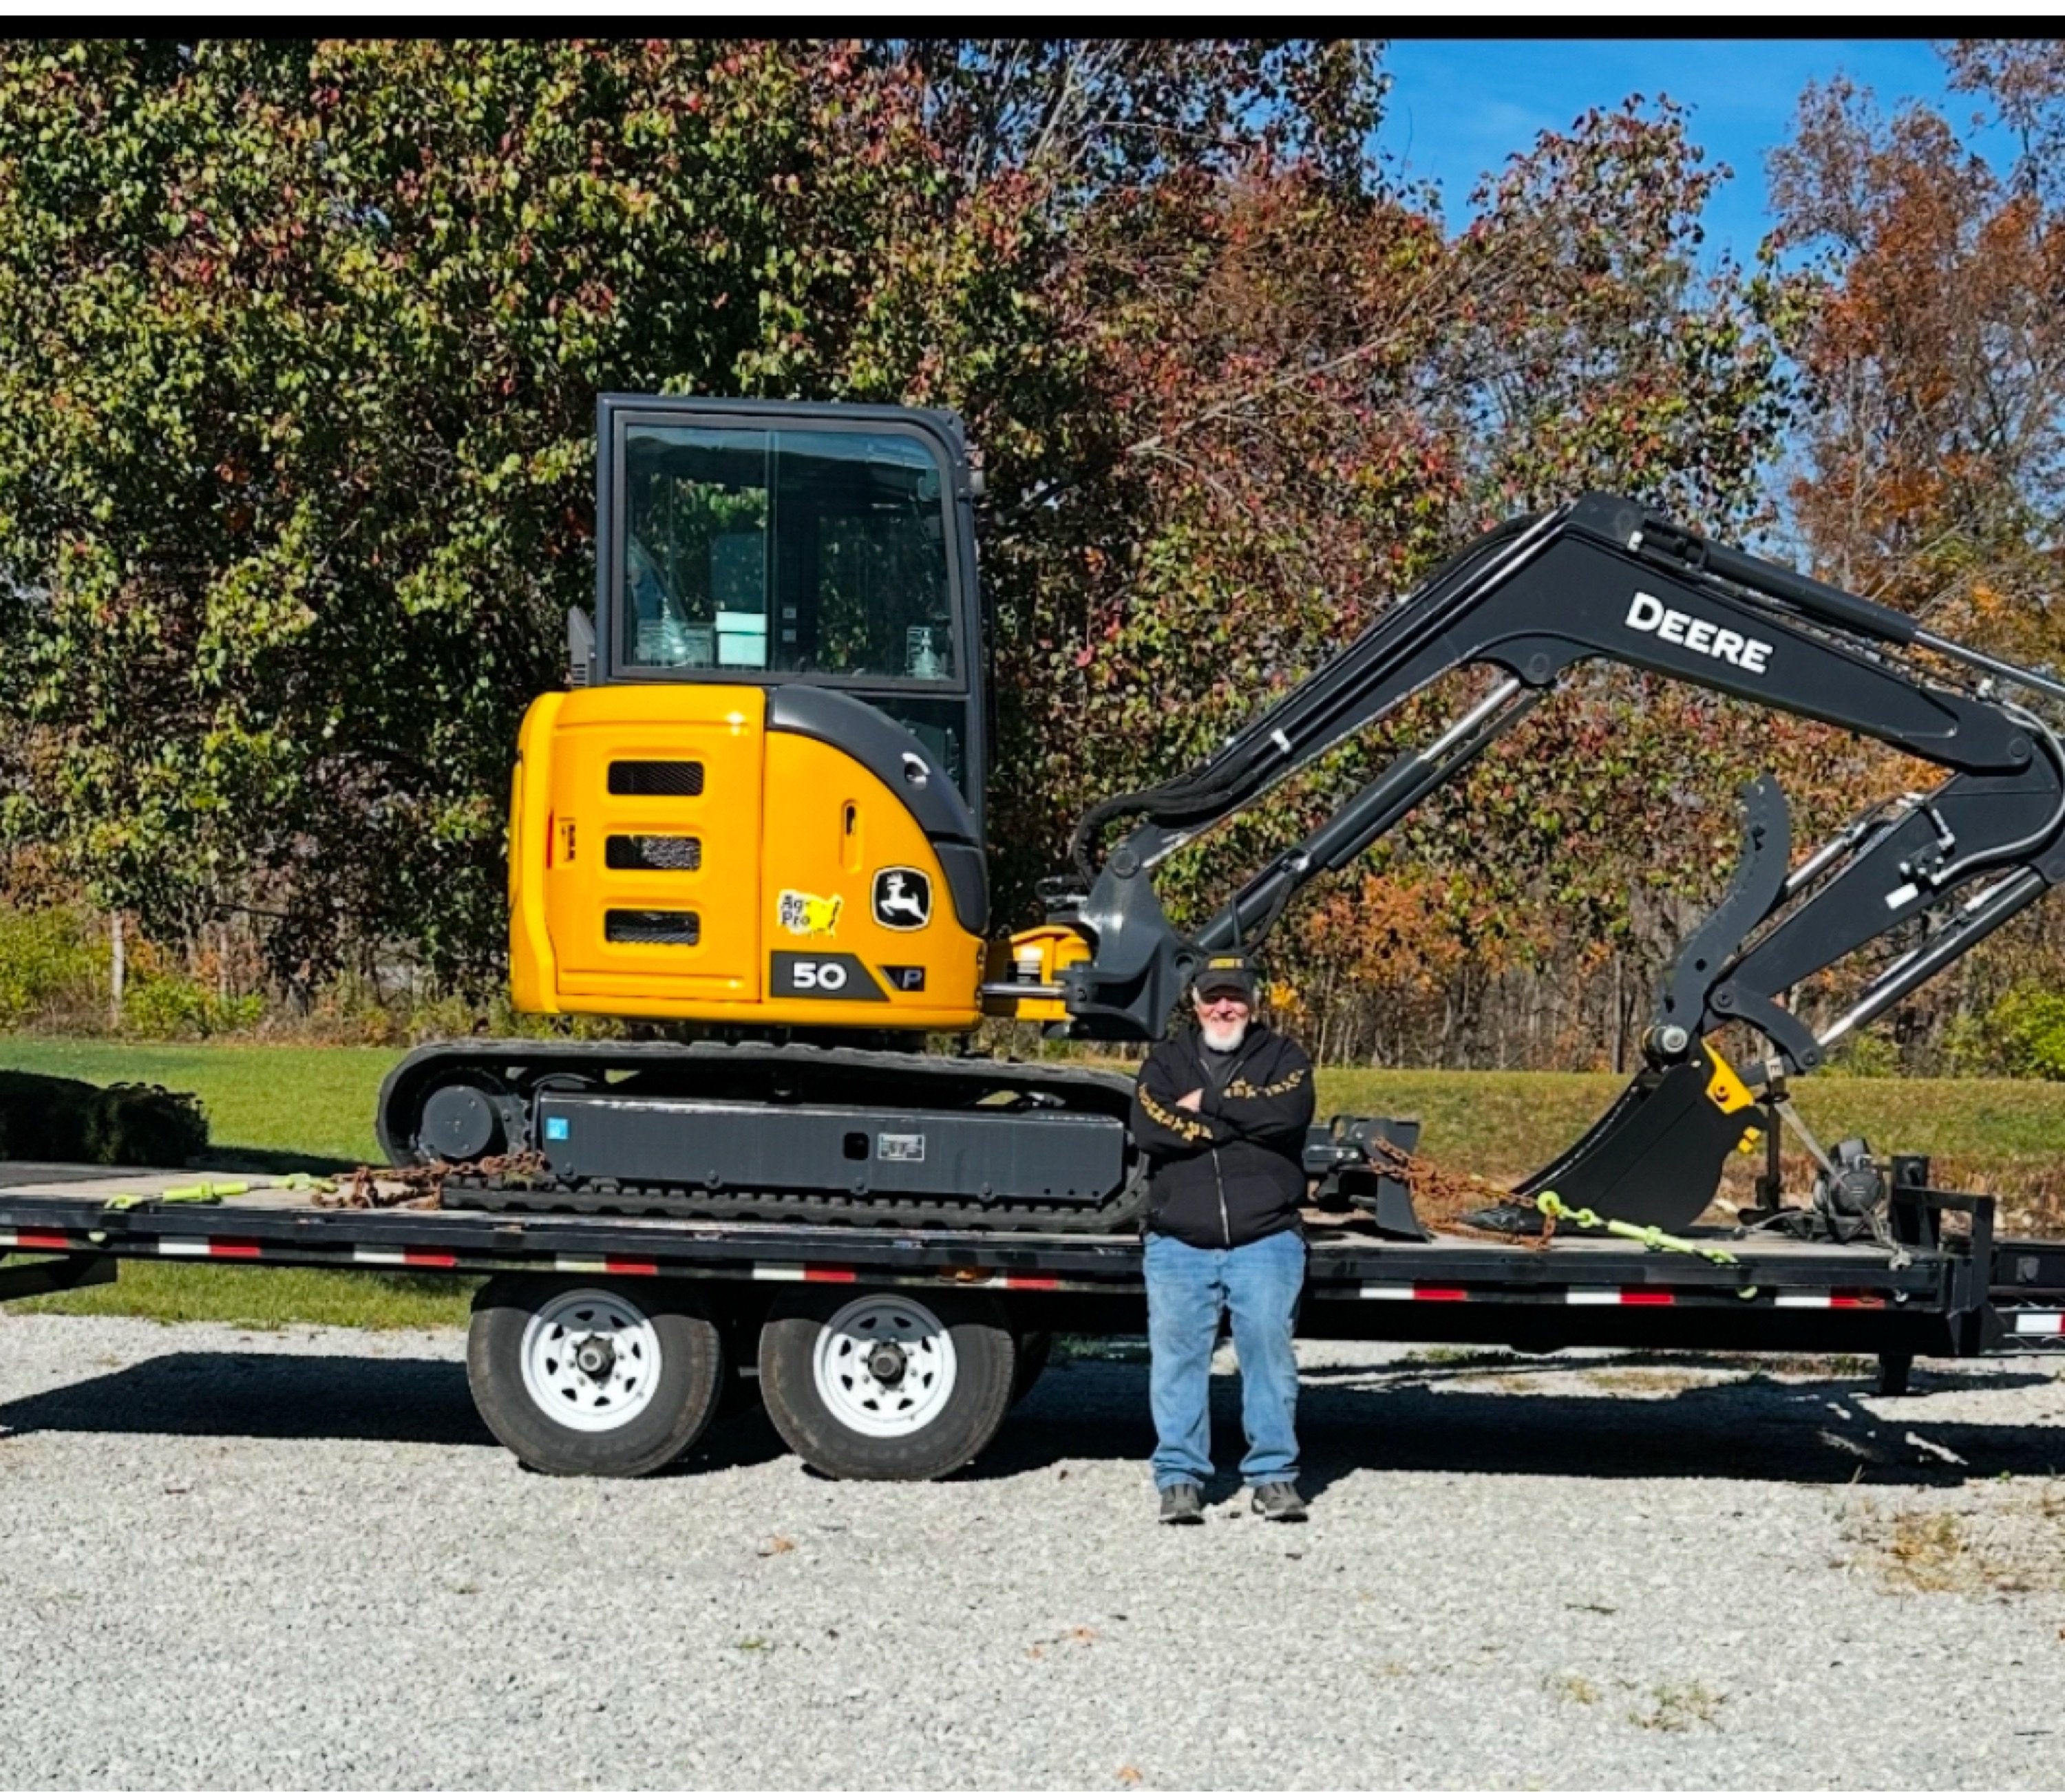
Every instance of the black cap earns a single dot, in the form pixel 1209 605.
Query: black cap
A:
pixel 1225 970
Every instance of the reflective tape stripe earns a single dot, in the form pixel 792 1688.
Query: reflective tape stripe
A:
pixel 2039 1325
pixel 182 1247
pixel 39 1240
pixel 960 1278
pixel 1619 1297
pixel 404 1259
pixel 802 1272
pixel 1833 1297
pixel 1409 1291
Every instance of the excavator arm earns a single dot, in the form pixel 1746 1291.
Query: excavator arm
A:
pixel 1603 578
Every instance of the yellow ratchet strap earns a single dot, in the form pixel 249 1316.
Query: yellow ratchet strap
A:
pixel 1551 1206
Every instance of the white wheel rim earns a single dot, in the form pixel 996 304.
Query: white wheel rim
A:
pixel 591 1360
pixel 885 1365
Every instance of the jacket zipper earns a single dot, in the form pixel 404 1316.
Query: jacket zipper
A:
pixel 1218 1174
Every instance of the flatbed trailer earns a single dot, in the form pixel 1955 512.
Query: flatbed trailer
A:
pixel 604 1345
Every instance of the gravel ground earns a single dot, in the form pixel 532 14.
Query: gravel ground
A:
pixel 297 1560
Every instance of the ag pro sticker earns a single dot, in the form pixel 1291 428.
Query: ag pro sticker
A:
pixel 809 917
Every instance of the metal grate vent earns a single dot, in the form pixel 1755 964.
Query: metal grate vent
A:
pixel 655 777
pixel 652 926
pixel 653 852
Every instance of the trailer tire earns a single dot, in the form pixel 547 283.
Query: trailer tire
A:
pixel 1034 1349
pixel 643 1397
pixel 876 1385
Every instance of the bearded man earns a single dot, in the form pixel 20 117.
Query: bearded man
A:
pixel 1221 1111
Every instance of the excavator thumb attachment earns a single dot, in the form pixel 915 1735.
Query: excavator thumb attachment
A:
pixel 1654 1158
pixel 1755 890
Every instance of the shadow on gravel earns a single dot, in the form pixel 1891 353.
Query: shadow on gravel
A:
pixel 230 1393
pixel 356 1399
pixel 1427 1419
pixel 1413 1417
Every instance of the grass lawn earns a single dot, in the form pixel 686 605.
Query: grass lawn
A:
pixel 1502 1123
pixel 306 1101
pixel 282 1106
pixel 270 1106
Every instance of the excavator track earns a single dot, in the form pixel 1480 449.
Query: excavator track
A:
pixel 509 1077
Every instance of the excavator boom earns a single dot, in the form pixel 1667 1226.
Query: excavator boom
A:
pixel 1602 578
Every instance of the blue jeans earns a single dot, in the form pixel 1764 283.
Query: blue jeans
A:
pixel 1187 1289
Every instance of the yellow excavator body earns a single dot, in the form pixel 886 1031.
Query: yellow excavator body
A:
pixel 673 858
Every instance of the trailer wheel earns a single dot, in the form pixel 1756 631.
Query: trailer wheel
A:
pixel 583 1375
pixel 1034 1349
pixel 882 1386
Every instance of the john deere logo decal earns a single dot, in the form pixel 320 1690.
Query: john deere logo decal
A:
pixel 903 898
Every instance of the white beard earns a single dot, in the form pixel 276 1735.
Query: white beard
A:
pixel 1223 1039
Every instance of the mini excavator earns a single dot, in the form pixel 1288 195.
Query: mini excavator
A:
pixel 757 812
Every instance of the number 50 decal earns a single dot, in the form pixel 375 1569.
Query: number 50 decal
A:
pixel 836 976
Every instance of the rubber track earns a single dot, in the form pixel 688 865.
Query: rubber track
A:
pixel 1078 1090
pixel 892 1212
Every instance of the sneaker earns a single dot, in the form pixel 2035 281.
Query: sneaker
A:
pixel 1279 1500
pixel 1180 1504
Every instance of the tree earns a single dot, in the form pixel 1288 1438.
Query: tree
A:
pixel 301 346
pixel 1934 351
pixel 1321 395
pixel 1926 325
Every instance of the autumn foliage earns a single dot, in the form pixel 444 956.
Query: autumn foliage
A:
pixel 302 339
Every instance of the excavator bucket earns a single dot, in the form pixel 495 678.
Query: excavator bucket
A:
pixel 1654 1158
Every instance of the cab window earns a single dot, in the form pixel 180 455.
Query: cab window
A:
pixel 802 552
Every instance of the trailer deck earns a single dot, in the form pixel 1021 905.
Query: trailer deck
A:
pixel 1944 1293
pixel 280 1221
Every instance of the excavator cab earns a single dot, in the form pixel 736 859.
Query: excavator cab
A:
pixel 761 804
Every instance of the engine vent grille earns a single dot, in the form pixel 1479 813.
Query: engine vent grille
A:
pixel 655 777
pixel 652 926
pixel 653 852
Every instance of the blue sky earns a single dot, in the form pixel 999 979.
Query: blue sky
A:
pixel 1459 107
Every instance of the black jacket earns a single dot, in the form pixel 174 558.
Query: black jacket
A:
pixel 1233 1171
